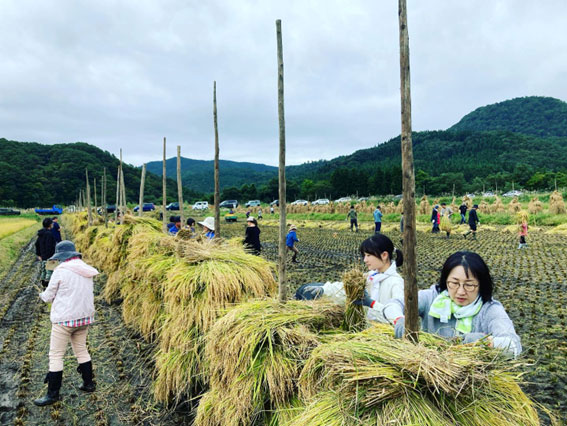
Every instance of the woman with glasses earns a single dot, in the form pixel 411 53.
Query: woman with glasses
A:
pixel 461 306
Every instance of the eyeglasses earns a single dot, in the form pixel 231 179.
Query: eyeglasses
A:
pixel 469 287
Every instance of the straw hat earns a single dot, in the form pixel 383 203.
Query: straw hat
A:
pixel 65 250
pixel 209 223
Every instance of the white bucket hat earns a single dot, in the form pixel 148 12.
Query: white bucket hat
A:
pixel 209 222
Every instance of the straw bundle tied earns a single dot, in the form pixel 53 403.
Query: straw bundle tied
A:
pixel 354 285
pixel 255 354
pixel 372 378
pixel 173 291
pixel 556 203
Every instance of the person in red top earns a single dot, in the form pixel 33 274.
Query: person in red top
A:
pixel 523 233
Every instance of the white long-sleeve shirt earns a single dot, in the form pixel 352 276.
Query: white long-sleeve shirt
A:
pixel 382 287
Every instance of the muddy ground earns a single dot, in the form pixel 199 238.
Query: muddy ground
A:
pixel 531 284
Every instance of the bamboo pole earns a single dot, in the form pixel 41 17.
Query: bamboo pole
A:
pixel 104 198
pixel 95 200
pixel 142 182
pixel 179 185
pixel 80 199
pixel 164 183
pixel 408 183
pixel 116 205
pixel 281 175
pixel 217 185
pixel 90 217
pixel 122 196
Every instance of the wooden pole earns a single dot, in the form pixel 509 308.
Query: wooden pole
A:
pixel 95 200
pixel 408 183
pixel 117 205
pixel 179 185
pixel 90 217
pixel 122 196
pixel 217 184
pixel 282 183
pixel 164 183
pixel 104 199
pixel 142 182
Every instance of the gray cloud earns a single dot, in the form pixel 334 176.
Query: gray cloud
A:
pixel 125 74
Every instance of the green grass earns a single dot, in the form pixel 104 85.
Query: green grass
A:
pixel 10 246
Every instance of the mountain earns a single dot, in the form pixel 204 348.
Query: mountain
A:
pixel 534 115
pixel 199 174
pixel 33 174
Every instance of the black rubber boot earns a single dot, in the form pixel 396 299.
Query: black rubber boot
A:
pixel 44 283
pixel 86 370
pixel 53 380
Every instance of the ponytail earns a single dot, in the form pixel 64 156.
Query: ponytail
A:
pixel 399 258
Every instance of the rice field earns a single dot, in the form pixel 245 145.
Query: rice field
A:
pixel 9 226
pixel 163 336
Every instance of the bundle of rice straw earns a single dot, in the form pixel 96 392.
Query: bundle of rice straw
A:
pixel 255 354
pixel 497 206
pixel 535 206
pixel 556 203
pixel 445 224
pixel 370 378
pixel 424 206
pixel 522 216
pixel 514 206
pixel 173 291
pixel 354 285
pixel 468 201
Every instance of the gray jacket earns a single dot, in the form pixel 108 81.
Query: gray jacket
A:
pixel 491 320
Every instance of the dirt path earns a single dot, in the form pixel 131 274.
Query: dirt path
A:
pixel 122 362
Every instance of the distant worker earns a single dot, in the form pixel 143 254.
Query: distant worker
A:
pixel 260 217
pixel 44 249
pixel 353 216
pixel 271 209
pixel 70 292
pixel 290 241
pixel 190 224
pixel 435 219
pixel 473 222
pixel 377 220
pixel 446 213
pixel 252 236
pixel 248 212
pixel 56 230
pixel 208 227
pixel 463 209
pixel 523 231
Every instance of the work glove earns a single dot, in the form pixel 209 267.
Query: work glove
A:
pixel 365 301
pixel 399 328
pixel 314 291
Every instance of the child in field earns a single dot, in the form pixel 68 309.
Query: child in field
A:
pixel 383 283
pixel 446 213
pixel 523 232
pixel 290 241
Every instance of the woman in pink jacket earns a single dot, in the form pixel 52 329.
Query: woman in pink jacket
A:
pixel 70 291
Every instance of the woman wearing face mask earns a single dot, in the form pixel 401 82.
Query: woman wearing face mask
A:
pixel 383 283
pixel 461 305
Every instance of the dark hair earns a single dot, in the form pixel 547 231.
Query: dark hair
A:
pixel 54 218
pixel 473 264
pixel 47 222
pixel 377 207
pixel 378 244
pixel 190 221
pixel 171 219
pixel 443 204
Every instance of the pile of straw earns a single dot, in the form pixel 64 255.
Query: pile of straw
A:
pixel 514 206
pixel 535 206
pixel 354 284
pixel 255 355
pixel 424 206
pixel 173 291
pixel 556 203
pixel 497 206
pixel 370 378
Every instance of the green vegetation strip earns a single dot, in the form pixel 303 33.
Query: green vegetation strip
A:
pixel 10 246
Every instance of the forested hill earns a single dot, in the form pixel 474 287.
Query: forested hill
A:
pixel 533 115
pixel 199 174
pixel 33 174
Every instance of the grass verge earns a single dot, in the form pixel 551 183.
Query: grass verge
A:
pixel 11 245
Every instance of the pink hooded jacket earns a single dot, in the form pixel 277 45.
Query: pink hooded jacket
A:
pixel 71 291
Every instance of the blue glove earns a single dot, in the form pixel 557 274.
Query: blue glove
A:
pixel 365 301
pixel 399 328
pixel 314 291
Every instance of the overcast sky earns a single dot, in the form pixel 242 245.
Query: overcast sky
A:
pixel 127 73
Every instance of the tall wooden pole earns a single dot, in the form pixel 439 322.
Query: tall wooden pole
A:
pixel 408 183
pixel 142 182
pixel 282 183
pixel 164 183
pixel 217 185
pixel 89 213
pixel 122 196
pixel 117 205
pixel 95 200
pixel 104 198
pixel 179 185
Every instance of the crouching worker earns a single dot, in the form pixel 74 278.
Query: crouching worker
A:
pixel 70 291
pixel 383 283
pixel 461 305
